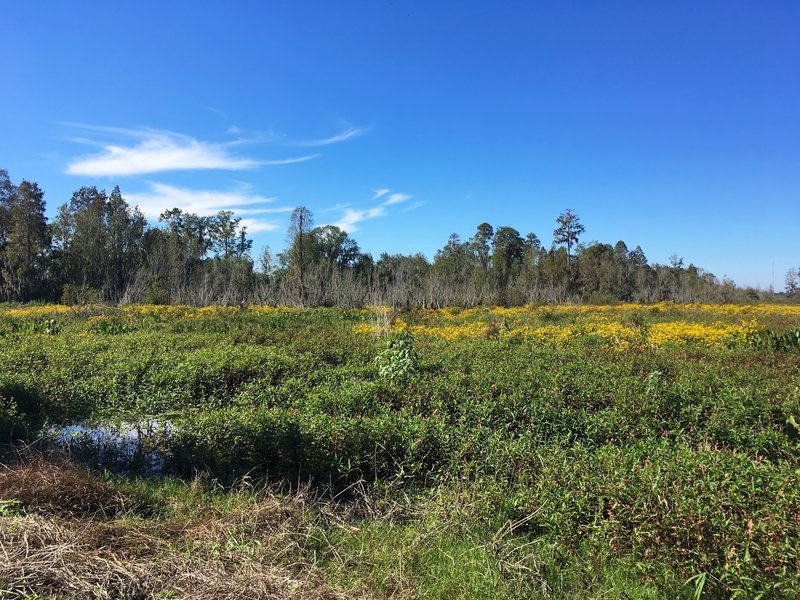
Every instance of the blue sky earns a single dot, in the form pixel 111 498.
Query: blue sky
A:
pixel 672 125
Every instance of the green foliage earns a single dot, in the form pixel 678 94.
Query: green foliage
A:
pixel 779 342
pixel 111 326
pixel 10 508
pixel 398 360
pixel 72 294
pixel 47 327
pixel 319 446
pixel 97 248
pixel 621 471
pixel 24 241
pixel 13 425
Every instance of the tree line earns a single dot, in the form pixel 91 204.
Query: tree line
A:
pixel 99 249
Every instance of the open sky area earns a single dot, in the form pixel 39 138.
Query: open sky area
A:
pixel 671 125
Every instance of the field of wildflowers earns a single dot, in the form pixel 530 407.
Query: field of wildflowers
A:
pixel 550 451
pixel 620 326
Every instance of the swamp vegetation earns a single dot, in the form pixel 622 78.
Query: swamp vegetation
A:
pixel 616 451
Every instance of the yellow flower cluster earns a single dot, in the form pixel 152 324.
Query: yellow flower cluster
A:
pixel 272 310
pixel 365 328
pixel 177 311
pixel 453 332
pixel 534 312
pixel 623 336
pixel 681 332
pixel 447 332
pixel 548 334
pixel 156 311
pixel 399 325
pixel 36 310
pixel 214 311
pixel 619 335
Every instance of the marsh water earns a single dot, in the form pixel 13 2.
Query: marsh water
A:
pixel 124 447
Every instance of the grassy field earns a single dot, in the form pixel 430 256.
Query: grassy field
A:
pixel 627 451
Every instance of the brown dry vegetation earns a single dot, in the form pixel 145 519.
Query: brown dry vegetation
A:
pixel 58 486
pixel 70 535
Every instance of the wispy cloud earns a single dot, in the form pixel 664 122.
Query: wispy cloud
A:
pixel 151 151
pixel 351 217
pixel 413 206
pixel 338 207
pixel 263 211
pixel 244 138
pixel 256 225
pixel 220 114
pixel 396 199
pixel 288 161
pixel 349 220
pixel 347 134
pixel 242 201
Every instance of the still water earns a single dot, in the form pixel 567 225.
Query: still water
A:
pixel 124 448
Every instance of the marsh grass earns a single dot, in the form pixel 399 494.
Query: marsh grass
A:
pixel 502 466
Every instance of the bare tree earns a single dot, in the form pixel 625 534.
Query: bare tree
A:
pixel 299 228
pixel 792 282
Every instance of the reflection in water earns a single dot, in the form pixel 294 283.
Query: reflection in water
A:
pixel 122 448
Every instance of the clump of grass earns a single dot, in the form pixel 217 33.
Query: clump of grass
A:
pixel 241 543
pixel 58 486
pixel 80 559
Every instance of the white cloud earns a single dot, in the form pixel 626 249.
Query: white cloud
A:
pixel 411 207
pixel 153 151
pixel 338 207
pixel 396 199
pixel 163 197
pixel 263 211
pixel 289 161
pixel 254 225
pixel 351 217
pixel 347 134
pixel 349 220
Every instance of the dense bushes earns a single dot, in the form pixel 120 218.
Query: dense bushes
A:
pixel 13 425
pixel 307 445
pixel 701 510
pixel 679 460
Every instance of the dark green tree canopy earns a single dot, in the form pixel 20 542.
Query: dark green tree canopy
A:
pixel 568 231
pixel 99 248
pixel 26 241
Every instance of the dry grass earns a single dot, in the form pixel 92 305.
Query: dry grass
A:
pixel 76 537
pixel 79 559
pixel 57 486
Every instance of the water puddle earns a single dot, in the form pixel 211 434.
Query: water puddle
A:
pixel 122 448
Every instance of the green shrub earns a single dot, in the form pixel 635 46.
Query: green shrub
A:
pixel 780 342
pixel 398 360
pixel 282 442
pixel 13 425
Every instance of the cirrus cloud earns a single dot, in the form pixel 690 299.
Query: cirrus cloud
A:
pixel 145 151
pixel 351 216
pixel 347 134
pixel 242 201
